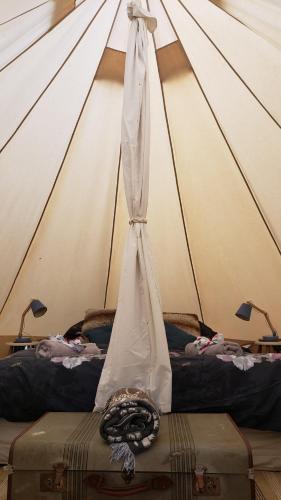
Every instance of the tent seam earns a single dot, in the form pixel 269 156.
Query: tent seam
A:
pixel 227 143
pixel 113 229
pixel 229 64
pixel 269 40
pixel 42 36
pixel 23 13
pixel 177 182
pixel 60 168
pixel 53 77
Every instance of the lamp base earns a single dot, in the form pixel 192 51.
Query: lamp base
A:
pixel 23 340
pixel 269 338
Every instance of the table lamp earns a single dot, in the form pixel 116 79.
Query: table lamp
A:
pixel 38 310
pixel 244 312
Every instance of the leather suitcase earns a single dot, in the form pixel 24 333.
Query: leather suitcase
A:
pixel 195 456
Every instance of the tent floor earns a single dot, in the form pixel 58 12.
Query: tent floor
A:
pixel 268 485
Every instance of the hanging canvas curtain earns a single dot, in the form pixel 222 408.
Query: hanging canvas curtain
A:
pixel 138 354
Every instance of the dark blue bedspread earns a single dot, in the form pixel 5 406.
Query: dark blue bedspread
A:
pixel 30 387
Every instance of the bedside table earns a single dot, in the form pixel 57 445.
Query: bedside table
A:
pixel 14 345
pixel 269 346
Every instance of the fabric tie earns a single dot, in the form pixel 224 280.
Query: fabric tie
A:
pixel 137 220
pixel 136 11
pixel 202 343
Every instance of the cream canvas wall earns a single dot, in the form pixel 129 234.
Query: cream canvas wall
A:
pixel 214 210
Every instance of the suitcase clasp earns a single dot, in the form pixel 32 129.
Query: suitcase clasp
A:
pixel 59 469
pixel 54 481
pixel 199 473
pixel 205 484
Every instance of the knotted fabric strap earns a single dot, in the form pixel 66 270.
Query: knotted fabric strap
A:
pixel 137 220
pixel 135 11
pixel 202 343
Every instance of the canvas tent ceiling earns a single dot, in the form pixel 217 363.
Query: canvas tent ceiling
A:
pixel 214 211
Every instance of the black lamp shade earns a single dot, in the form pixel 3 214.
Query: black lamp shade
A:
pixel 38 308
pixel 244 311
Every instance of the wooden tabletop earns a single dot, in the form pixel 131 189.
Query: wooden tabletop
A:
pixel 22 344
pixel 260 342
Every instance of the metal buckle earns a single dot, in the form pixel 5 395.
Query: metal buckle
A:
pixel 54 481
pixel 205 484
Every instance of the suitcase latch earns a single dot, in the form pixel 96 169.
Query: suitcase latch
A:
pixel 205 484
pixel 54 481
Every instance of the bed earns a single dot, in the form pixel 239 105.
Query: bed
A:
pixel 30 386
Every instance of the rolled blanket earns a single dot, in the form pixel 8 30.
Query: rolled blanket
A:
pixel 53 348
pixel 130 424
pixel 130 416
pixel 217 345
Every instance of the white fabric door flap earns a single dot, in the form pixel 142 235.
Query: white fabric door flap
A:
pixel 138 352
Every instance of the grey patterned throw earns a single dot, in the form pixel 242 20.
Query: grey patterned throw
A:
pixel 130 424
